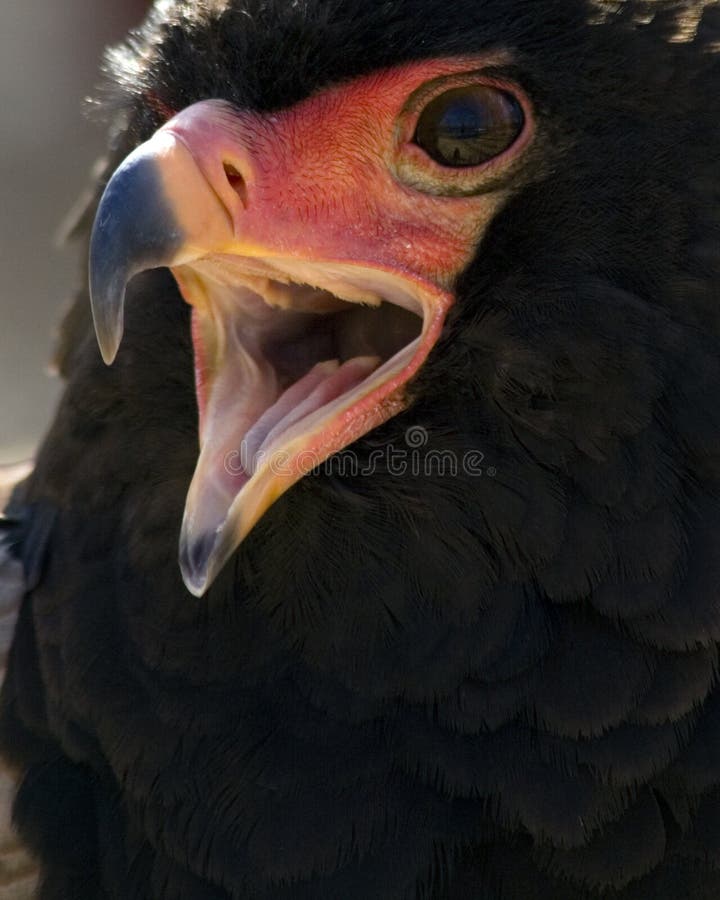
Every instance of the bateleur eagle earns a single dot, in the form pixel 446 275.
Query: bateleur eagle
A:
pixel 383 560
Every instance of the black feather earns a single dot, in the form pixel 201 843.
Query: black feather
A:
pixel 500 686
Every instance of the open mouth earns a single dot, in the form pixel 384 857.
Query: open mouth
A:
pixel 294 361
pixel 317 289
pixel 318 245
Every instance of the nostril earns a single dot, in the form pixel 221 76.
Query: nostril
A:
pixel 236 182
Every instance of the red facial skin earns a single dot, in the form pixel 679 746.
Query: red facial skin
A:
pixel 331 192
pixel 319 180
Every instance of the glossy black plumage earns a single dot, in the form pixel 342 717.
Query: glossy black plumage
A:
pixel 498 686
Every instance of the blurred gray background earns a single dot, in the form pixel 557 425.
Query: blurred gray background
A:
pixel 50 51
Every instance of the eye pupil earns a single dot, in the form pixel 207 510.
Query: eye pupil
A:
pixel 468 126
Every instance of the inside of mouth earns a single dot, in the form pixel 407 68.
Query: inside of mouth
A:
pixel 294 340
pixel 272 356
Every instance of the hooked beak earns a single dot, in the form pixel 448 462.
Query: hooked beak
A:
pixel 317 294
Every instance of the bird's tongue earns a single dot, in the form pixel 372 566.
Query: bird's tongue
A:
pixel 323 383
pixel 248 422
pixel 287 374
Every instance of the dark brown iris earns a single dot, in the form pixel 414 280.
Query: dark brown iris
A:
pixel 468 126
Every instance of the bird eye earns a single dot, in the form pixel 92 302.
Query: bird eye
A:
pixel 467 126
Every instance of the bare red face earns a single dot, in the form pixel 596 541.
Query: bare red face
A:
pixel 319 247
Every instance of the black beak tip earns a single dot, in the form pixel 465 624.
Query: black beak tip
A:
pixel 135 229
pixel 194 561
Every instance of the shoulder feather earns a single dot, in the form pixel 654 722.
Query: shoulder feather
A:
pixel 18 877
